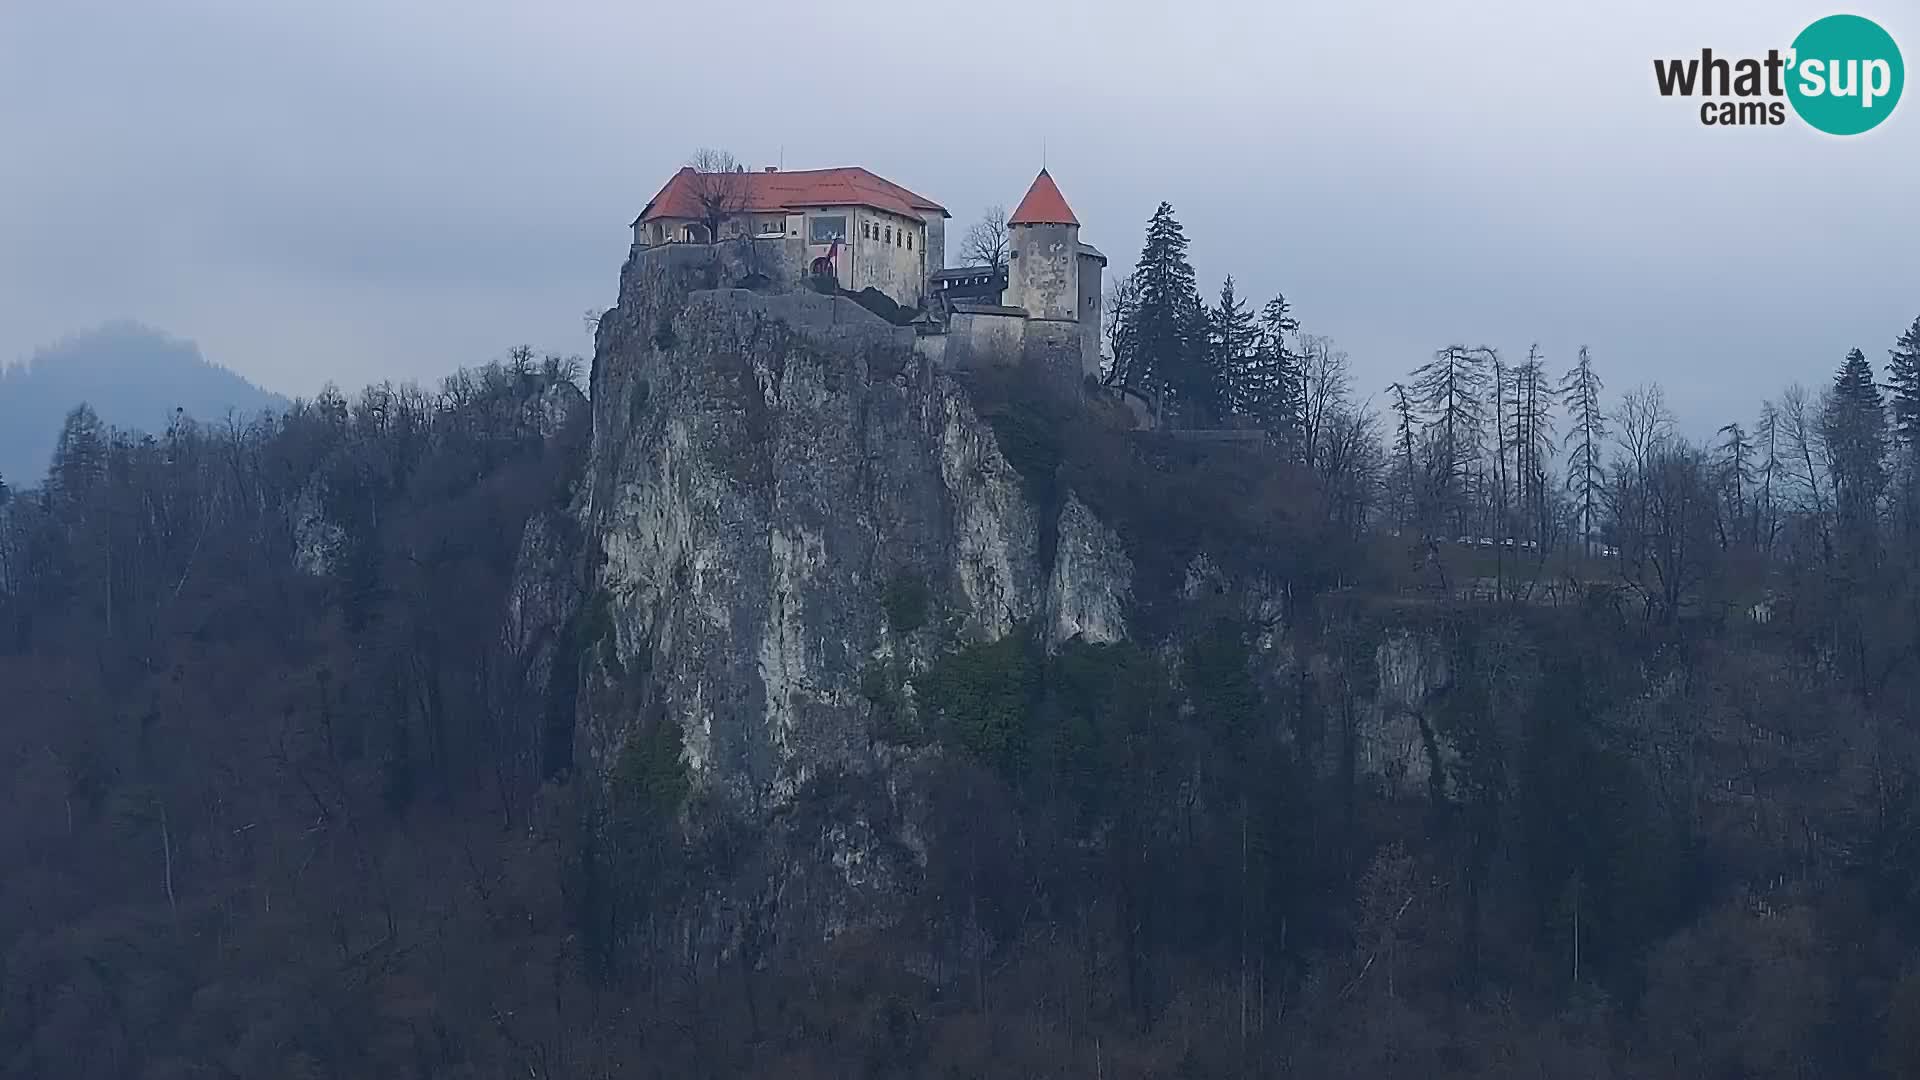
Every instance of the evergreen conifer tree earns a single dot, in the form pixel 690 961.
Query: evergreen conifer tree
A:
pixel 1903 398
pixel 1903 381
pixel 1233 335
pixel 80 457
pixel 1854 427
pixel 1280 379
pixel 1164 334
pixel 1266 383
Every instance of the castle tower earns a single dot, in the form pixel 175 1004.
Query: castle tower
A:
pixel 1043 263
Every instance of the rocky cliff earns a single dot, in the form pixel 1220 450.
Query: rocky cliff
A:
pixel 766 471
pixel 782 498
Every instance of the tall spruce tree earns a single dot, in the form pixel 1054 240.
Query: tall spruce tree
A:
pixel 80 456
pixel 1233 335
pixel 1903 398
pixel 1586 437
pixel 1270 386
pixel 1164 334
pixel 1903 384
pixel 1854 427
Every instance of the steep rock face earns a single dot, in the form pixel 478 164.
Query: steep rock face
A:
pixel 540 632
pixel 1396 743
pixel 785 506
pixel 766 471
pixel 1092 580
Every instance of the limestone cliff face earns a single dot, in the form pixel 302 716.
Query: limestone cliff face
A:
pixel 781 499
pixel 1397 744
pixel 768 474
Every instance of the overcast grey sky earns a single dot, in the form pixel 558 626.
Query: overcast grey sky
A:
pixel 361 189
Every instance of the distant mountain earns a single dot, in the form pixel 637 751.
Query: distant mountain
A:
pixel 133 376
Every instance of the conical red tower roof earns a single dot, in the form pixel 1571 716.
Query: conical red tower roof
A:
pixel 1044 205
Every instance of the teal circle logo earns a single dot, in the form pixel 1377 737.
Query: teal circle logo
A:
pixel 1846 75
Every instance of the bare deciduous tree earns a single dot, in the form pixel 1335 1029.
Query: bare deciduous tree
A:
pixel 1116 306
pixel 1643 430
pixel 1326 388
pixel 986 242
pixel 1644 423
pixel 1805 466
pixel 719 186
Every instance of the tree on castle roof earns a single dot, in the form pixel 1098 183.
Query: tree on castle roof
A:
pixel 719 186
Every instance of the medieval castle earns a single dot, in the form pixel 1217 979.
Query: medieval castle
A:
pixel 856 232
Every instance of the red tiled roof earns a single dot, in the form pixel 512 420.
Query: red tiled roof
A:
pixel 1044 205
pixel 766 192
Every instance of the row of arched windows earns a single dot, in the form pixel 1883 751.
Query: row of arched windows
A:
pixel 886 234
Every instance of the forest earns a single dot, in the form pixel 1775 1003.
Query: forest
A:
pixel 268 812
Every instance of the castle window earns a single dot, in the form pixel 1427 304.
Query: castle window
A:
pixel 828 229
pixel 909 241
pixel 889 238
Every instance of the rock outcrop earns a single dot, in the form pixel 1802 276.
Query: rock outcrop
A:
pixel 1398 746
pixel 768 475
pixel 780 500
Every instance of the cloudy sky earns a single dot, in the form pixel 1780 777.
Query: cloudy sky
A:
pixel 360 189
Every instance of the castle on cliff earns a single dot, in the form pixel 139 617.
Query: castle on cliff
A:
pixel 862 234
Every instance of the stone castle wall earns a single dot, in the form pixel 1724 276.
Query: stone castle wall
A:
pixel 731 263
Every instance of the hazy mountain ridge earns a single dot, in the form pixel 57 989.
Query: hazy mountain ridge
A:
pixel 134 376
